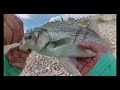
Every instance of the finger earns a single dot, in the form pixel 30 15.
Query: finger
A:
pixel 18 29
pixel 99 55
pixel 13 25
pixel 81 61
pixel 7 34
pixel 21 60
pixel 20 22
pixel 15 52
pixel 10 58
pixel 79 66
pixel 84 68
pixel 90 45
pixel 16 59
pixel 17 64
pixel 20 54
pixel 12 50
pixel 86 59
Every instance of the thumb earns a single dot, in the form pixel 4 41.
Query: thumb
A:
pixel 90 45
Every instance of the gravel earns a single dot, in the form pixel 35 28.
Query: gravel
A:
pixel 40 65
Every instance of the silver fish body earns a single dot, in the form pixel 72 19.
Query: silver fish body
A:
pixel 61 40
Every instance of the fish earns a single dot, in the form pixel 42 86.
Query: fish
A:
pixel 61 40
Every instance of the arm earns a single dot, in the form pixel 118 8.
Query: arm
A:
pixel 103 64
pixel 14 60
pixel 106 66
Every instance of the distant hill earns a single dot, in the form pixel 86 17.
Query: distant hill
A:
pixel 102 18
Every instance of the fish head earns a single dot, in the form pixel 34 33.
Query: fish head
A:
pixel 28 41
pixel 35 40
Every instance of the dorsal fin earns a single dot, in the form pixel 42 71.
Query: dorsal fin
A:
pixel 93 26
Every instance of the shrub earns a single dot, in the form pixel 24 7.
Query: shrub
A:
pixel 100 20
pixel 83 21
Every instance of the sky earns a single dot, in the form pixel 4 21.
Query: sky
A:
pixel 36 20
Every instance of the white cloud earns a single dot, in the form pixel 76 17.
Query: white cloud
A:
pixel 57 18
pixel 66 16
pixel 23 16
pixel 76 16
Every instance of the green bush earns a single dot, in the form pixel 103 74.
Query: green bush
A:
pixel 70 19
pixel 100 20
pixel 83 21
pixel 113 18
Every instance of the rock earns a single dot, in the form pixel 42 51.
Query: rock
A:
pixel 113 43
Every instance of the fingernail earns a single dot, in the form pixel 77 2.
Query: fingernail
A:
pixel 10 58
pixel 82 43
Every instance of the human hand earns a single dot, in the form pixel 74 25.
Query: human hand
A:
pixel 17 57
pixel 84 65
pixel 13 29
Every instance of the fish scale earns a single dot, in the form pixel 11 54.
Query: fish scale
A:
pixel 57 36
